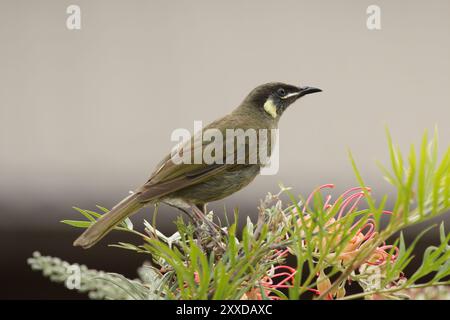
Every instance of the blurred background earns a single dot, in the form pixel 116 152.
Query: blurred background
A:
pixel 85 115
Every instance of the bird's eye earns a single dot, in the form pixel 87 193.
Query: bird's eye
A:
pixel 281 92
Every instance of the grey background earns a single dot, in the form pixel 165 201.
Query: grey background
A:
pixel 86 115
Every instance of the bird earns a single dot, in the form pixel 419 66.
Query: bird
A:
pixel 190 186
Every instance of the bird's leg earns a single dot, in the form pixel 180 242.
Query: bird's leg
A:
pixel 197 211
pixel 198 217
pixel 194 219
pixel 214 228
pixel 191 216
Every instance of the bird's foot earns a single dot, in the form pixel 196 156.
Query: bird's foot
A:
pixel 201 217
pixel 214 241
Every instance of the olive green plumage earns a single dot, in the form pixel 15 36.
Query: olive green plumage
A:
pixel 186 186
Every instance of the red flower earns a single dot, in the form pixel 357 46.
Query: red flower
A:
pixel 282 276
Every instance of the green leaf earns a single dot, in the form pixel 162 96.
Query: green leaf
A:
pixel 85 213
pixel 103 209
pixel 127 223
pixel 77 223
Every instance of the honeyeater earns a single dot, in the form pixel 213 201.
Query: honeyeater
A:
pixel 188 185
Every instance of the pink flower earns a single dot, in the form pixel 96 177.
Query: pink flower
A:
pixel 282 276
pixel 348 203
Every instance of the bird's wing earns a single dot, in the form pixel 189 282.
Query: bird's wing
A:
pixel 167 169
pixel 151 191
pixel 170 177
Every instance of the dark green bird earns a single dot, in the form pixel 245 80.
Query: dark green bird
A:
pixel 189 186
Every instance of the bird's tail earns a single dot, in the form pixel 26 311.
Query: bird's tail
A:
pixel 108 221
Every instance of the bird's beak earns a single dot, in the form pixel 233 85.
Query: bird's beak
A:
pixel 307 90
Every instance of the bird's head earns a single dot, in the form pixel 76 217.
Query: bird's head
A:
pixel 272 99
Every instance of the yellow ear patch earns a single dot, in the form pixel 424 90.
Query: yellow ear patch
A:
pixel 270 108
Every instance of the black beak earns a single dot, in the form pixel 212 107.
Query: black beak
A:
pixel 307 90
